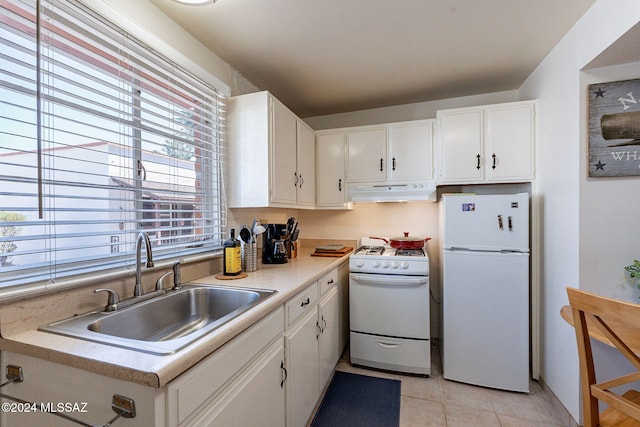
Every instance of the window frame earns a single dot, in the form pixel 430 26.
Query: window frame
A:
pixel 122 266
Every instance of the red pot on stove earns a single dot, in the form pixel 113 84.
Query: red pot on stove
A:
pixel 405 242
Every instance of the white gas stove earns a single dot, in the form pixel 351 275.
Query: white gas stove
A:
pixel 372 257
pixel 389 308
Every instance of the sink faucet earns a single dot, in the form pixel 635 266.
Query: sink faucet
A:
pixel 142 237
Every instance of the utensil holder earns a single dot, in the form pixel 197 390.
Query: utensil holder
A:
pixel 250 256
pixel 292 249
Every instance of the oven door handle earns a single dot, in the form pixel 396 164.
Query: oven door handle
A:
pixel 377 279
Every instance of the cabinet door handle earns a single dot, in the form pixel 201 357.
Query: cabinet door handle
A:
pixel 394 164
pixel 318 330
pixel 478 164
pixel 295 183
pixel 381 164
pixel 284 374
pixel 324 324
pixel 494 161
pixel 305 302
pixel 340 184
pixel 301 180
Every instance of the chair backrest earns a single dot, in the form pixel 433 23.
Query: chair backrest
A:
pixel 613 322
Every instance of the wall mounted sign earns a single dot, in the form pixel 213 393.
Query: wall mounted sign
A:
pixel 614 129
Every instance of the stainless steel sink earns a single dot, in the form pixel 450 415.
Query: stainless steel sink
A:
pixel 165 324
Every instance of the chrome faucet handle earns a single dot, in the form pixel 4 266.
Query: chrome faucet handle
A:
pixel 113 300
pixel 160 282
pixel 177 274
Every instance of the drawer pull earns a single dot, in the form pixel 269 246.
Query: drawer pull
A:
pixel 388 345
pixel 330 282
pixel 305 302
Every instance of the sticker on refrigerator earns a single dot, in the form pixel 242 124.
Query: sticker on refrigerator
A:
pixel 468 207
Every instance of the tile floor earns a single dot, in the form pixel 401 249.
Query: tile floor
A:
pixel 435 401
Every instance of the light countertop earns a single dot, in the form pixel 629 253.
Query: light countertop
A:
pixel 149 369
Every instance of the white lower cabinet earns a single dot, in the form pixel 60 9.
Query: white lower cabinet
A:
pixel 338 279
pixel 302 385
pixel 329 318
pixel 200 389
pixel 342 285
pixel 312 350
pixel 254 399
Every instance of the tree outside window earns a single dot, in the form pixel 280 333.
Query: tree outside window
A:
pixel 8 229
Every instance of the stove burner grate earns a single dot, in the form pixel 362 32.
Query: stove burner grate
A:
pixel 410 252
pixel 370 250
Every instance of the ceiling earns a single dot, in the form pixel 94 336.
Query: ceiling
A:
pixel 330 56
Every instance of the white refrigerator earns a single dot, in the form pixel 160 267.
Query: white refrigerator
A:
pixel 485 290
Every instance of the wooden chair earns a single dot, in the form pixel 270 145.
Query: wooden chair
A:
pixel 615 323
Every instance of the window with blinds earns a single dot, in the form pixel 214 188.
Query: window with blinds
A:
pixel 101 138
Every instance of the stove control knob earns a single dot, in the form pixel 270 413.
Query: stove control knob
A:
pixel 360 263
pixel 376 264
pixel 386 264
pixel 405 265
pixel 395 264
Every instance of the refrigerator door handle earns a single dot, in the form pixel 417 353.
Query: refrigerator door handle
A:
pixel 481 250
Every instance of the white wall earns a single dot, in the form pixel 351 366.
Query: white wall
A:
pixel 609 224
pixel 400 113
pixel 145 21
pixel 577 246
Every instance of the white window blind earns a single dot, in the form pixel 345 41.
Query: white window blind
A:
pixel 100 138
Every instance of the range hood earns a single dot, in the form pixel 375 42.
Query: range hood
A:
pixel 396 192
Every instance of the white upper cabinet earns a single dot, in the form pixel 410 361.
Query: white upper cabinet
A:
pixel 493 143
pixel 367 154
pixel 306 161
pixel 396 152
pixel 271 154
pixel 510 142
pixel 283 154
pixel 331 189
pixel 461 145
pixel 410 151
